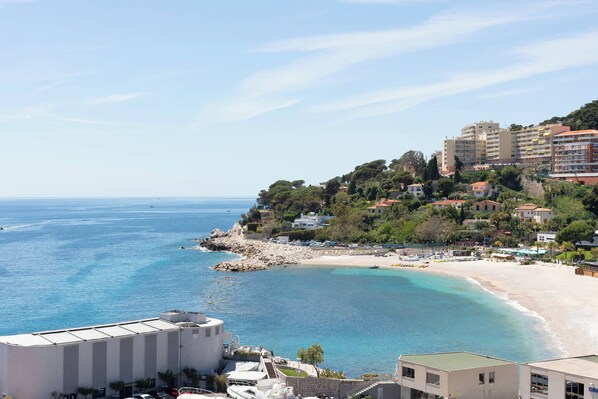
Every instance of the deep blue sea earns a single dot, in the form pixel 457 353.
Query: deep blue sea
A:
pixel 75 262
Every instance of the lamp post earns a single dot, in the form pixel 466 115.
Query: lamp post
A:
pixel 298 373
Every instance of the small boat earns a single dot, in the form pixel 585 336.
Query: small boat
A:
pixel 265 389
pixel 374 267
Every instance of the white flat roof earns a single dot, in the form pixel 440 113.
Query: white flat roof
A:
pixel 246 375
pixel 106 331
pixel 585 366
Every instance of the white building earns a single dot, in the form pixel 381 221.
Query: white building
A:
pixel 32 366
pixel 460 375
pixel 311 221
pixel 415 189
pixel 571 378
pixel 546 236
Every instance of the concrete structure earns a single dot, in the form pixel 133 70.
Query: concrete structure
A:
pixel 486 206
pixel 459 147
pixel 500 147
pixel 415 189
pixel 457 204
pixel 311 221
pixel 480 189
pixel 575 156
pixel 34 365
pixel 546 236
pixel 571 378
pixel 533 145
pixel 456 375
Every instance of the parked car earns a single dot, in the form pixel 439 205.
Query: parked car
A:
pixel 172 392
pixel 141 396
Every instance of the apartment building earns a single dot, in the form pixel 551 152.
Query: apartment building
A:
pixel 470 147
pixel 35 365
pixel 575 156
pixel 500 147
pixel 456 375
pixel 533 145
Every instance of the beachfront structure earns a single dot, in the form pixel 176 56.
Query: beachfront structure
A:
pixel 480 189
pixel 415 189
pixel 35 365
pixel 575 156
pixel 546 236
pixel 460 375
pixel 533 213
pixel 486 206
pixel 382 206
pixel 570 378
pixel 457 204
pixel 311 221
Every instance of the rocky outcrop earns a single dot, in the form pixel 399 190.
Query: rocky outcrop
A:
pixel 261 255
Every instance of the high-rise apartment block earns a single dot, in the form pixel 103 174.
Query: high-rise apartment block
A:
pixel 575 156
pixel 470 147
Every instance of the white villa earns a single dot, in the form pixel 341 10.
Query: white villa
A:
pixel 460 375
pixel 311 221
pixel 34 365
pixel 415 189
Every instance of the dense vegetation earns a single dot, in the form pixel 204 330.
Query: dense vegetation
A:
pixel 415 220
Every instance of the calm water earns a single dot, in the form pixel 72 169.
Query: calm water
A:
pixel 67 263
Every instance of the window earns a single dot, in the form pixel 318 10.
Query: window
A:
pixel 574 390
pixel 408 372
pixel 491 377
pixel 481 379
pixel 539 384
pixel 99 393
pixel 432 379
pixel 195 333
pixel 208 331
pixel 217 328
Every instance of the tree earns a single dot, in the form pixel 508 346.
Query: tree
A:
pixel 117 386
pixel 578 230
pixel 313 355
pixel 515 127
pixel 457 178
pixel 509 177
pixel 143 384
pixel 445 187
pixel 167 377
pixel 590 201
pixel 192 375
pixel 352 187
pixel 434 229
pixel 458 164
pixel 432 169
pixel 85 391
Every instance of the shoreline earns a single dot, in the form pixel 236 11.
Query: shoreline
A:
pixel 562 301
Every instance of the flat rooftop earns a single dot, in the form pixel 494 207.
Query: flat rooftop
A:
pixel 454 361
pixel 100 332
pixel 583 366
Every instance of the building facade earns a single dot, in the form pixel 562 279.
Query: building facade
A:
pixel 311 221
pixel 35 365
pixel 460 375
pixel 533 145
pixel 575 156
pixel 571 378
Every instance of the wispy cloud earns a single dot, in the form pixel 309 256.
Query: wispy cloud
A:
pixel 114 98
pixel 410 2
pixel 6 2
pixel 328 55
pixel 510 92
pixel 47 87
pixel 538 58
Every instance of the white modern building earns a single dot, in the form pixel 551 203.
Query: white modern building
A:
pixel 415 189
pixel 571 378
pixel 32 366
pixel 460 375
pixel 311 221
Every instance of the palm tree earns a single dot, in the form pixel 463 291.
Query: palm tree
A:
pixel 192 375
pixel 552 245
pixel 143 384
pixel 117 386
pixel 85 391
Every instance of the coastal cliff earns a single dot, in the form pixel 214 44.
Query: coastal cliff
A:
pixel 262 255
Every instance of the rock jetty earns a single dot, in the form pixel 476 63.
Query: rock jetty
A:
pixel 262 255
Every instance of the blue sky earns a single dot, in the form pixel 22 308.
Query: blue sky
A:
pixel 221 98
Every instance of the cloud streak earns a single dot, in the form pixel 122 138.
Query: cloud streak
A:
pixel 328 55
pixel 114 98
pixel 539 58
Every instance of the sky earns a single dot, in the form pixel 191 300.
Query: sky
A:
pixel 222 98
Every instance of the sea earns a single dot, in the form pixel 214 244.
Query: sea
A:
pixel 74 262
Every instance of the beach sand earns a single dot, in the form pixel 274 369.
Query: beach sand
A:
pixel 566 302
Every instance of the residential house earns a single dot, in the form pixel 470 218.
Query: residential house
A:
pixel 546 236
pixel 533 213
pixel 311 221
pixel 457 204
pixel 481 189
pixel 382 206
pixel 486 206
pixel 415 189
pixel 574 377
pixel 460 375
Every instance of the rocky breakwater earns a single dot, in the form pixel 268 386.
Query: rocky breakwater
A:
pixel 259 255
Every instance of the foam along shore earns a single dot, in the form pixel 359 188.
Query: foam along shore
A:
pixel 261 255
pixel 566 302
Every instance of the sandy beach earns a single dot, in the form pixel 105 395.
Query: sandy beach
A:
pixel 566 302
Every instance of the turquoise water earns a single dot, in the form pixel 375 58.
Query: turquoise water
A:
pixel 67 263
